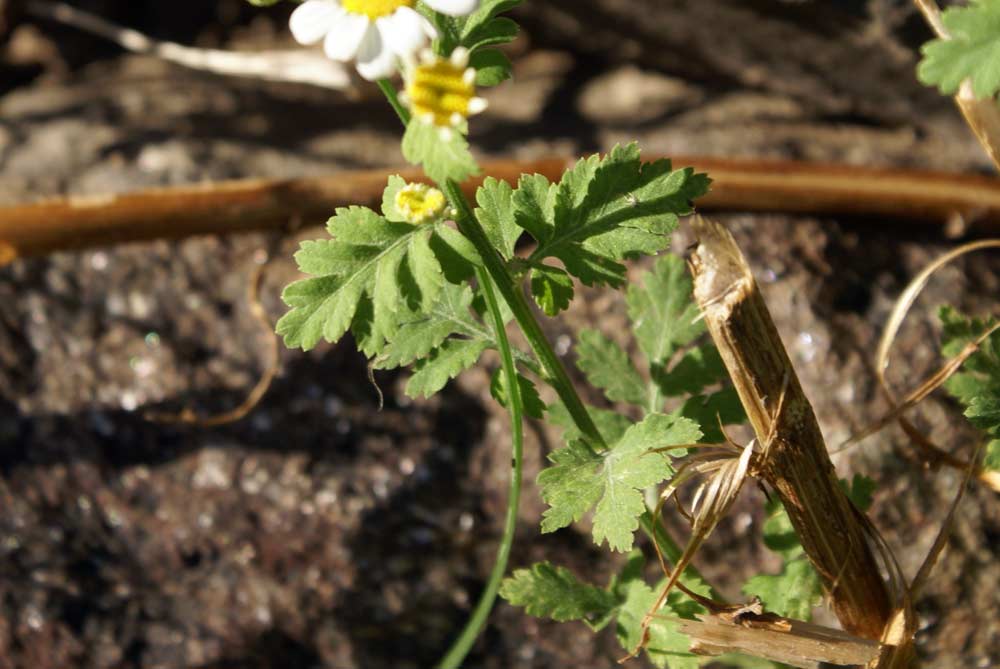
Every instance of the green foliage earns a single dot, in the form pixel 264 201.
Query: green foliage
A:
pixel 664 315
pixel 442 155
pixel 793 593
pixel 478 32
pixel 554 592
pixel 533 404
pixel 614 480
pixel 608 367
pixel 492 67
pixel 860 491
pixel 664 319
pixel 977 385
pixel 797 589
pixel 418 336
pixel 496 214
pixel 603 211
pixel 971 52
pixel 263 3
pixel 445 363
pixel 610 424
pixel 372 272
pixel 552 288
pixel 667 646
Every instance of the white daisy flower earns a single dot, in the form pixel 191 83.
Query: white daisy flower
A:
pixel 375 33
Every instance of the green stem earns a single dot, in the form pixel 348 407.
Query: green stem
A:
pixel 551 364
pixel 456 654
pixel 393 97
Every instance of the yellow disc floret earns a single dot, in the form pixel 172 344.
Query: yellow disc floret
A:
pixel 442 90
pixel 375 9
pixel 419 203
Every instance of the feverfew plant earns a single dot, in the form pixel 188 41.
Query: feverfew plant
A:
pixel 431 281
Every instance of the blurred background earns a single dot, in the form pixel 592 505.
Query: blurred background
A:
pixel 320 531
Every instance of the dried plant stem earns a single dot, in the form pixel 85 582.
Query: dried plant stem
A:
pixel 797 464
pixel 67 223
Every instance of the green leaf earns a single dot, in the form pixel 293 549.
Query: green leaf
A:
pixel 457 255
pixel 372 272
pixel 614 480
pixel 424 332
pixel 709 410
pixel 977 384
pixel 698 368
pixel 534 204
pixel 992 458
pixel 442 157
pixel 552 592
pixel 533 404
pixel 971 52
pixel 611 424
pixel 389 209
pixel 664 315
pixel 793 593
pixel 667 646
pixel 779 535
pixel 496 214
pixel 605 210
pixel 984 412
pixel 448 361
pixel 494 33
pixel 609 368
pixel 492 67
pixel 552 288
pixel 860 491
pixel 483 15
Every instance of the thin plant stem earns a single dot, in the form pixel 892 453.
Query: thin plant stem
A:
pixel 456 654
pixel 460 648
pixel 551 365
pixel 389 91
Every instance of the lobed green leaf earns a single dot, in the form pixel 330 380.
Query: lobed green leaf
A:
pixel 666 645
pixel 492 67
pixel 533 404
pixel 972 51
pixel 552 592
pixel 612 480
pixel 552 288
pixel 664 315
pixel 419 336
pixel 448 361
pixel 605 210
pixel 442 157
pixel 609 368
pixel 793 593
pixel 496 214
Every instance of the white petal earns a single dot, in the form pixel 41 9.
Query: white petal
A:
pixel 477 105
pixel 346 35
pixel 312 20
pixel 404 32
pixel 375 60
pixel 453 7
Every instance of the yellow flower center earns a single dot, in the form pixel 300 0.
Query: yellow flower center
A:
pixel 375 9
pixel 419 203
pixel 438 91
